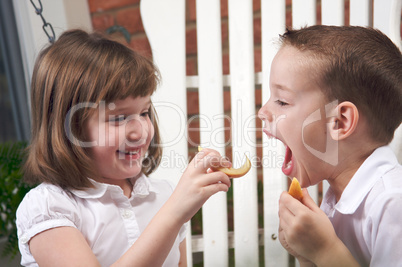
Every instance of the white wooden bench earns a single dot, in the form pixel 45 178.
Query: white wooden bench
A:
pixel 164 22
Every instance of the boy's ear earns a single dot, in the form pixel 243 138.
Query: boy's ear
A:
pixel 344 123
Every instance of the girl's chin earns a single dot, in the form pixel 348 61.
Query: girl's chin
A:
pixel 129 170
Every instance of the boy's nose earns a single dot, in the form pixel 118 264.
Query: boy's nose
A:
pixel 264 114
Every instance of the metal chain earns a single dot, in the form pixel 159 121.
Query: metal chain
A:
pixel 46 25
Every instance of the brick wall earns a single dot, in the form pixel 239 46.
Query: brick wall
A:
pixel 125 13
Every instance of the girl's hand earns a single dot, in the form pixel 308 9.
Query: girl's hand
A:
pixel 198 183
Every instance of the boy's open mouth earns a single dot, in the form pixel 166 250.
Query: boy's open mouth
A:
pixel 288 163
pixel 287 166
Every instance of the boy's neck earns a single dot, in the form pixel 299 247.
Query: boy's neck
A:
pixel 352 154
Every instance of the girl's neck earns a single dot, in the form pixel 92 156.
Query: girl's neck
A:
pixel 128 188
pixel 125 184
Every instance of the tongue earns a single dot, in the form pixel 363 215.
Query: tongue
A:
pixel 287 165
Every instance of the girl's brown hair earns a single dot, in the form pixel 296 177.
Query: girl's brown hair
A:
pixel 356 64
pixel 81 68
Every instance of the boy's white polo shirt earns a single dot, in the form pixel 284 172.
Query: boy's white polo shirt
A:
pixel 109 221
pixel 368 217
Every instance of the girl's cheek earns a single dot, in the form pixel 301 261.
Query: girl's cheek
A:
pixel 113 135
pixel 151 132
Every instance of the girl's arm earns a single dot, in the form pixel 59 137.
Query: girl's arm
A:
pixel 66 245
pixel 62 246
pixel 183 254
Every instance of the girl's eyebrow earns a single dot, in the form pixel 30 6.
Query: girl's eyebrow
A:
pixel 112 107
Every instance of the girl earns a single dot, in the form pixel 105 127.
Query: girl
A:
pixel 94 141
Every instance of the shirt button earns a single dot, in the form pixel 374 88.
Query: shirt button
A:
pixel 24 239
pixel 127 214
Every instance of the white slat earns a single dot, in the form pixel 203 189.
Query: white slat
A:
pixel 304 13
pixel 209 43
pixel 387 18
pixel 166 34
pixel 273 20
pixel 360 13
pixel 333 12
pixel 243 125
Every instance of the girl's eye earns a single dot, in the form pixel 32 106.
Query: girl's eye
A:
pixel 281 103
pixel 117 118
pixel 145 114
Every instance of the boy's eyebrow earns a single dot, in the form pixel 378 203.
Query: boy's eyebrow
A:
pixel 282 87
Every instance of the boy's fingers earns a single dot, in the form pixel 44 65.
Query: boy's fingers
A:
pixel 286 207
pixel 294 206
pixel 308 201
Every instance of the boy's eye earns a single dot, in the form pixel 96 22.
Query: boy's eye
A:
pixel 281 103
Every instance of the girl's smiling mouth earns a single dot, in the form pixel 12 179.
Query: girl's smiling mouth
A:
pixel 130 153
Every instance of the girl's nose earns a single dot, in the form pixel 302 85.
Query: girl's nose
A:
pixel 136 129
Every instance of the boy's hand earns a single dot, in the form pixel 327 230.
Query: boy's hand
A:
pixel 197 184
pixel 304 229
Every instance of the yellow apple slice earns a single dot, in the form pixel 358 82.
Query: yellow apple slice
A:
pixel 232 172
pixel 295 189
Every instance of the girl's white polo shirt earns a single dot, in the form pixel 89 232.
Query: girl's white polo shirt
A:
pixel 109 221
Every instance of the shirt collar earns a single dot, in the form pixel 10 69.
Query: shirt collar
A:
pixel 372 169
pixel 142 187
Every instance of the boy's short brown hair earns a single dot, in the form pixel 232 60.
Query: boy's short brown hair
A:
pixel 81 68
pixel 356 64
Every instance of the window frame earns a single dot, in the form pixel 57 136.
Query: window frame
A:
pixel 14 70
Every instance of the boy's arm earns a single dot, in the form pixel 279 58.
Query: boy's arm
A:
pixel 306 232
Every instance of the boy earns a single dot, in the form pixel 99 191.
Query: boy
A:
pixel 336 100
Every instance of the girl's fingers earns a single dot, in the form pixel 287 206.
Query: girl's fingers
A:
pixel 215 178
pixel 208 158
pixel 215 188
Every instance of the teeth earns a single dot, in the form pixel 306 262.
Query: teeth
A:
pixel 131 152
pixel 288 165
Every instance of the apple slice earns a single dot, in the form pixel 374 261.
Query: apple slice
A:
pixel 232 172
pixel 295 189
